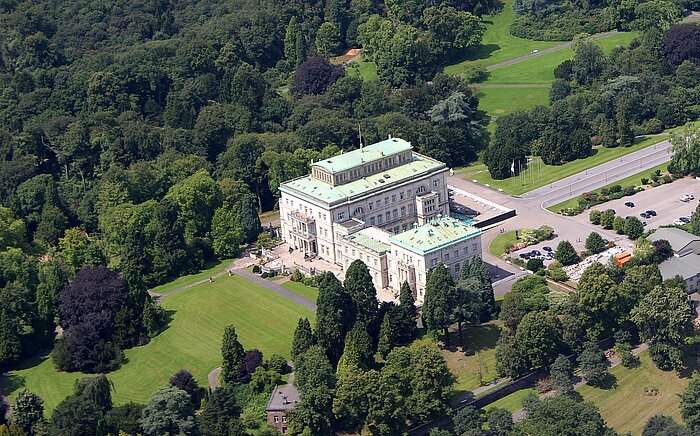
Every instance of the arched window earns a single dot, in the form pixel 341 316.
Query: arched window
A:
pixel 359 211
pixel 421 189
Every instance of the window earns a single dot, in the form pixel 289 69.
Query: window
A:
pixel 341 216
pixel 409 192
pixel 447 257
pixel 420 277
pixel 284 419
pixel 421 189
pixel 395 212
pixel 386 201
pixel 456 254
pixel 474 246
pixel 393 198
pixel 371 221
pixel 359 211
pixel 436 183
pixel 403 210
pixel 379 219
pixel 371 205
pixel 466 250
pixel 457 267
pixel 401 195
pixel 433 262
pixel 387 216
pixel 396 229
pixel 277 418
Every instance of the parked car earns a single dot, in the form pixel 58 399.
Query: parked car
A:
pixel 678 222
pixel 686 219
pixel 629 204
pixel 644 215
pixel 535 252
pixel 651 212
pixel 547 248
pixel 687 197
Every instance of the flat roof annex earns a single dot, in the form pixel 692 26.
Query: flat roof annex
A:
pixel 364 155
pixel 434 235
pixel 324 195
pixel 373 239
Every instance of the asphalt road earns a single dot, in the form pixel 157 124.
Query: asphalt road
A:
pixel 599 176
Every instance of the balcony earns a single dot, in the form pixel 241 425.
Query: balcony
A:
pixel 302 217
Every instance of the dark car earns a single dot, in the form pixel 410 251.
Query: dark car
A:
pixel 644 215
pixel 629 204
pixel 535 252
pixel 651 212
pixel 547 248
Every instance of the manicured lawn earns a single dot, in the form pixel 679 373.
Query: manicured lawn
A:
pixel 497 246
pixel 211 269
pixel 538 174
pixel 540 69
pixel 365 69
pixel 497 101
pixel 498 44
pixel 625 407
pixel 632 180
pixel 512 402
pixel 263 320
pixel 480 356
pixel 303 290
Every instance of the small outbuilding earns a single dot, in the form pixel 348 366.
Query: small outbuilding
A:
pixel 283 399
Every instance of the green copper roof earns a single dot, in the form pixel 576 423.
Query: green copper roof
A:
pixel 364 155
pixel 322 193
pixel 372 238
pixel 436 234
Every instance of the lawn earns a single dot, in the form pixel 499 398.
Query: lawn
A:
pixel 496 101
pixel 625 407
pixel 211 269
pixel 540 69
pixel 512 402
pixel 498 44
pixel 263 320
pixel 303 290
pixel 365 69
pixel 539 174
pixel 480 357
pixel 498 245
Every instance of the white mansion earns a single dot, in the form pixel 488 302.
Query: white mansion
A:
pixel 383 204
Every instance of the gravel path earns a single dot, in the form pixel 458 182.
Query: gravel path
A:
pixel 158 297
pixel 545 51
pixel 213 378
pixel 274 287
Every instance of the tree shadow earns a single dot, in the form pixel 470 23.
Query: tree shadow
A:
pixel 168 319
pixel 10 383
pixel 610 382
pixel 482 51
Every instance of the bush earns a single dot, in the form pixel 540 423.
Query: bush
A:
pixel 277 363
pixel 475 72
pixel 644 180
pixel 665 356
pixel 556 272
pixel 297 276
pixel 535 265
pixel 650 126
pixel 272 273
pixel 667 179
pixel 256 269
pixel 624 352
pixel 264 275
pixel 544 385
pixel 594 217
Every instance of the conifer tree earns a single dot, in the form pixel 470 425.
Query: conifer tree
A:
pixel 232 352
pixel 386 336
pixel 358 283
pixel 437 304
pixel 303 338
pixel 335 316
pixel 406 314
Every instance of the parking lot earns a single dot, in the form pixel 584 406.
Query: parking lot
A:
pixel 664 199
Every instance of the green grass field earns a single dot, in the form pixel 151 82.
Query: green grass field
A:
pixel 625 407
pixel 480 356
pixel 497 246
pixel 211 269
pixel 263 320
pixel 365 69
pixel 538 175
pixel 540 69
pixel 498 44
pixel 512 402
pixel 303 290
pixel 497 101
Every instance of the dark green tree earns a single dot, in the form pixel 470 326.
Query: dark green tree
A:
pixel 303 338
pixel 564 415
pixel 690 404
pixel 500 421
pixel 565 254
pixel 28 411
pixel 663 425
pixel 232 352
pixel 335 316
pixel 595 243
pixel 358 283
pixel 168 411
pixel 315 380
pixel 405 315
pixel 438 299
pixel 221 413
pixel 387 336
pixel 467 420
pixel 593 364
pixel 562 374
pixel 539 339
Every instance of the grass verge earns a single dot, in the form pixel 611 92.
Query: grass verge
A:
pixel 192 341
pixel 500 101
pixel 305 291
pixel 539 174
pixel 365 69
pixel 211 269
pixel 498 245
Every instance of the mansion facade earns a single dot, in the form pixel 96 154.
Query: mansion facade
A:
pixel 383 204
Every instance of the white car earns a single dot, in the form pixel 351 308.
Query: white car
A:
pixel 687 197
pixel 678 222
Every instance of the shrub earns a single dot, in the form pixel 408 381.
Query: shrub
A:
pixel 308 281
pixel 667 179
pixel 250 362
pixel 256 269
pixel 624 352
pixel 264 275
pixel 594 217
pixel 277 363
pixel 665 356
pixel 644 180
pixel 544 385
pixel 297 276
pixel 535 265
